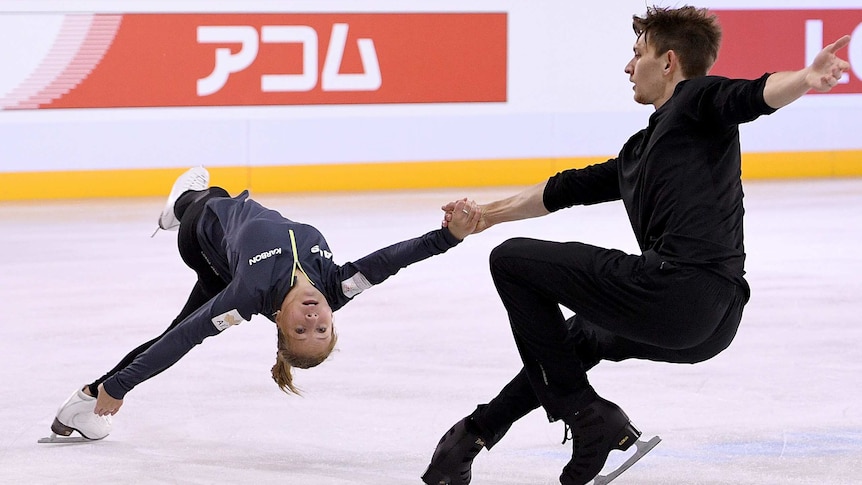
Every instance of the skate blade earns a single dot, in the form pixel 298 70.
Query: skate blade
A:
pixel 643 447
pixel 54 438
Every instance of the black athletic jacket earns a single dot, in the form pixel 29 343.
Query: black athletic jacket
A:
pixel 254 250
pixel 679 178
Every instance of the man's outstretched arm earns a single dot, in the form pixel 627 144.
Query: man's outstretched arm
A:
pixel 524 205
pixel 783 88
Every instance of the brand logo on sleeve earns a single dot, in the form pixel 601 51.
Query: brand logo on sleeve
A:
pixel 264 255
pixel 323 252
pixel 355 285
pixel 226 320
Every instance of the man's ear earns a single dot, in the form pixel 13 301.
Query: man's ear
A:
pixel 671 61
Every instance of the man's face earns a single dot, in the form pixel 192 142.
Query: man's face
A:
pixel 646 71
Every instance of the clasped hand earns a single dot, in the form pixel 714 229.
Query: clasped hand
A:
pixel 463 217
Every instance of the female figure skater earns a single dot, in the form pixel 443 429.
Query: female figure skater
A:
pixel 249 260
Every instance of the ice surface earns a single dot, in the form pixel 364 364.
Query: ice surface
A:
pixel 82 283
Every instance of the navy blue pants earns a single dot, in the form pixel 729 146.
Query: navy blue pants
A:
pixel 625 307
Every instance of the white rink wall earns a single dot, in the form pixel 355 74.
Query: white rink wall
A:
pixel 566 96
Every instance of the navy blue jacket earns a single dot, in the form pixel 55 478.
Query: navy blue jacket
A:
pixel 250 247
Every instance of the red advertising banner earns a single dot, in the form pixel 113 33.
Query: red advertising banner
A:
pixel 759 41
pixel 166 60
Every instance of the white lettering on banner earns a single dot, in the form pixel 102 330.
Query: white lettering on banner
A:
pixel 369 80
pixel 854 51
pixel 293 34
pixel 226 63
pixel 814 44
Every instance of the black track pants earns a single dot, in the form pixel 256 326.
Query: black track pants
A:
pixel 625 307
pixel 188 209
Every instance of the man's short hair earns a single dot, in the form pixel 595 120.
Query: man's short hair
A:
pixel 694 34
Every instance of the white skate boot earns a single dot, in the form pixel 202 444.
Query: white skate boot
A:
pixel 76 414
pixel 197 178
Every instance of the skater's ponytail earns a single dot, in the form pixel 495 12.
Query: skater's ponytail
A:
pixel 286 359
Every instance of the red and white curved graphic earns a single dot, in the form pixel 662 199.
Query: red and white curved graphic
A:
pixel 79 46
pixel 143 60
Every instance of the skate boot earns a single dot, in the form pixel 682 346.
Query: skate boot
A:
pixel 596 430
pixel 453 458
pixel 196 178
pixel 76 414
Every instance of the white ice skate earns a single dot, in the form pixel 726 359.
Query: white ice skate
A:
pixel 76 415
pixel 196 178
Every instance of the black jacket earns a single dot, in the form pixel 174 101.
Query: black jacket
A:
pixel 679 178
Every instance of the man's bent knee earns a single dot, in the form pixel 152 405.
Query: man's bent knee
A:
pixel 515 248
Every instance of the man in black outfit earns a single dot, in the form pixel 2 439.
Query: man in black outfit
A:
pixel 681 300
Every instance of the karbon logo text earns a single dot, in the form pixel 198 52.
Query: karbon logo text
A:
pixel 264 255
pixel 249 38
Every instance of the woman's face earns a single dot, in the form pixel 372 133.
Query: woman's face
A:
pixel 306 319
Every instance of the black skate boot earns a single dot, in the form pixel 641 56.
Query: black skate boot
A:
pixel 596 430
pixel 453 457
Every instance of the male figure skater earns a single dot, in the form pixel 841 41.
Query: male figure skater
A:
pixel 681 300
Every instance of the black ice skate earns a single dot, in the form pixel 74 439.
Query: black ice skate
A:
pixel 597 430
pixel 453 457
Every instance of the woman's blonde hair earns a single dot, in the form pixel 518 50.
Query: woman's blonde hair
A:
pixel 287 358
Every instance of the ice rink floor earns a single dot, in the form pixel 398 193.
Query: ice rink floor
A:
pixel 82 283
